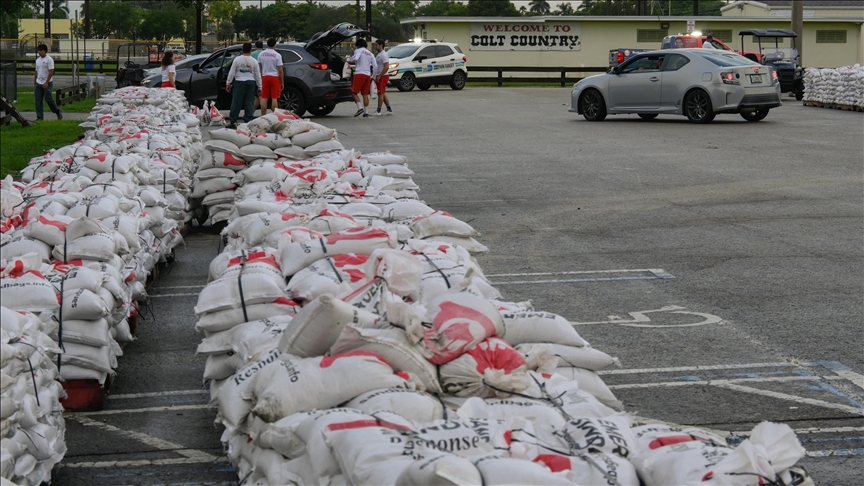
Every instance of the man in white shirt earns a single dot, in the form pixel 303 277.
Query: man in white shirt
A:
pixel 270 63
pixel 364 66
pixel 244 79
pixel 43 83
pixel 709 43
pixel 381 77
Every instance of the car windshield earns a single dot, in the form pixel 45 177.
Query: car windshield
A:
pixel 399 52
pixel 779 53
pixel 727 60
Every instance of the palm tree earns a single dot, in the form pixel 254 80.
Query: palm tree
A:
pixel 565 9
pixel 540 7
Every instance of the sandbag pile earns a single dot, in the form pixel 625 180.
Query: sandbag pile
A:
pixel 94 218
pixel 843 85
pixel 31 417
pixel 352 338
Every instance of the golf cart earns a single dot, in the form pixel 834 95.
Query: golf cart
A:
pixel 133 58
pixel 784 60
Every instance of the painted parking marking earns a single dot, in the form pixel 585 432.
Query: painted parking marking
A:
pixel 641 319
pixel 171 393
pixel 158 296
pixel 624 275
pixel 167 408
pixel 145 462
pixel 179 287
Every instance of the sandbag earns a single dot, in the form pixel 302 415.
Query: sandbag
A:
pixel 460 320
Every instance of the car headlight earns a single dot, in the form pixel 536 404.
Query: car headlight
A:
pixel 577 83
pixel 394 65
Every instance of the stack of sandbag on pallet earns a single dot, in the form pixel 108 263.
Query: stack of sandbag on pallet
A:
pixel 94 218
pixel 352 338
pixel 31 417
pixel 843 85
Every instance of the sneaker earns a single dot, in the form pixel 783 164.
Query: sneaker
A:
pixel 59 114
pixel 377 113
pixel 231 126
pixel 359 112
pixel 388 112
pixel 365 115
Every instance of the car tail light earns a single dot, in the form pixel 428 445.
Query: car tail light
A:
pixel 620 57
pixel 319 65
pixel 728 78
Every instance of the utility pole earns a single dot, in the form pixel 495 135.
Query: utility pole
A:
pixel 199 13
pixel 87 21
pixel 369 19
pixel 798 27
pixel 695 8
pixel 608 7
pixel 48 23
pixel 358 13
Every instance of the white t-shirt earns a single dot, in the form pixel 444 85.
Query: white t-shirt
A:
pixel 381 59
pixel 166 70
pixel 269 60
pixel 43 65
pixel 244 68
pixel 364 61
pixel 708 45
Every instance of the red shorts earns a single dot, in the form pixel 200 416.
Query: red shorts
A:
pixel 381 84
pixel 166 84
pixel 271 87
pixel 361 83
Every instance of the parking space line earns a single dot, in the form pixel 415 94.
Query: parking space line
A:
pixel 179 287
pixel 145 462
pixel 700 368
pixel 656 271
pixel 794 398
pixel 168 408
pixel 172 295
pixel 158 394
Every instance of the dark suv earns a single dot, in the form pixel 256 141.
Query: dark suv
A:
pixel 313 80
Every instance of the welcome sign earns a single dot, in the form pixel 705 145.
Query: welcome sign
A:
pixel 563 36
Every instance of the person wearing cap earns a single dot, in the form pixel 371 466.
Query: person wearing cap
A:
pixel 43 82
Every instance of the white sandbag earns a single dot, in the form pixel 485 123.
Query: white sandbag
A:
pixel 440 470
pixel 592 468
pixel 393 345
pixel 611 435
pixel 304 384
pixel 323 147
pixel 293 152
pixel 539 327
pixel 270 140
pixel 535 411
pixel 235 399
pixel 460 320
pixel 226 319
pixel 441 224
pixel 654 436
pixel 248 339
pixel 384 158
pixel 29 291
pixel 239 139
pixel 22 245
pixel 99 246
pixel 317 326
pixel 47 228
pixel 564 394
pixel 414 405
pixel 91 333
pixel 686 463
pixel 336 275
pixel 497 470
pixel 238 292
pixel 222 146
pixel 590 382
pixel 254 152
pixel 214 159
pixel 469 244
pixel 313 136
pixel 491 369
pixel 771 449
pixel 295 256
pixel 572 356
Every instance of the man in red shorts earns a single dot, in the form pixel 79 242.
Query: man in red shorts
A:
pixel 364 66
pixel 381 77
pixel 270 62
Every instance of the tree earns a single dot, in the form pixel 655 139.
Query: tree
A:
pixel 565 9
pixel 393 11
pixel 59 10
pixel 492 8
pixel 163 25
pixel 225 31
pixel 540 7
pixel 115 18
pixel 628 7
pixel 223 10
pixel 442 8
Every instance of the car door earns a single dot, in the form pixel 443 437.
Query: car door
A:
pixel 638 84
pixel 223 98
pixel 202 84
pixel 677 77
pixel 427 61
pixel 446 60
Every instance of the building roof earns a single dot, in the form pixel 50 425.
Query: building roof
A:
pixel 816 3
pixel 604 18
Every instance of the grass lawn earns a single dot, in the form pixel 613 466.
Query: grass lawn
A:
pixel 19 144
pixel 27 102
pixel 511 84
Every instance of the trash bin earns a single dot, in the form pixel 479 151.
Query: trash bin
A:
pixel 88 65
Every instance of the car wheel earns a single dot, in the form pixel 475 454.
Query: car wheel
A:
pixel 754 116
pixel 321 110
pixel 593 106
pixel 406 82
pixel 457 82
pixel 647 116
pixel 697 107
pixel 293 100
pixel 424 86
pixel 799 92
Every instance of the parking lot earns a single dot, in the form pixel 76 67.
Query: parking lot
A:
pixel 721 263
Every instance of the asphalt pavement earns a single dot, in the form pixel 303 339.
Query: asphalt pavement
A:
pixel 721 263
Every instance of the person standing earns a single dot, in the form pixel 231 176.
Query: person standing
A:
pixel 43 82
pixel 270 63
pixel 382 77
pixel 364 66
pixel 709 43
pixel 169 70
pixel 244 79
pixel 256 51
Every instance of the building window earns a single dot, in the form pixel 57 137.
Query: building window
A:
pixel 723 35
pixel 830 36
pixel 650 35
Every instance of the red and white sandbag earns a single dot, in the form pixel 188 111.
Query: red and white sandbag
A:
pixel 491 369
pixel 360 240
pixel 460 320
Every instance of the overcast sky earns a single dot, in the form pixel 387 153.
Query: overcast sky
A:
pixel 77 4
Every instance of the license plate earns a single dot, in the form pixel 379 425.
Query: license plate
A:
pixel 755 78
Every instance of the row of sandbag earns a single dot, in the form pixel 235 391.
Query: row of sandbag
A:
pixel 386 315
pixel 843 85
pixel 31 417
pixel 81 232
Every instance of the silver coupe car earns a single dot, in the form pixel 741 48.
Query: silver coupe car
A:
pixel 696 83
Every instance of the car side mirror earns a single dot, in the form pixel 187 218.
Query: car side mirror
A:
pixel 196 68
pixel 420 58
pixel 615 70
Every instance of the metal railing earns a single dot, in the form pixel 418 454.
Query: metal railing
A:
pixel 8 81
pixel 563 73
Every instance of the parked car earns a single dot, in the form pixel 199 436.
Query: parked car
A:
pixel 696 83
pixel 423 64
pixel 153 76
pixel 313 74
